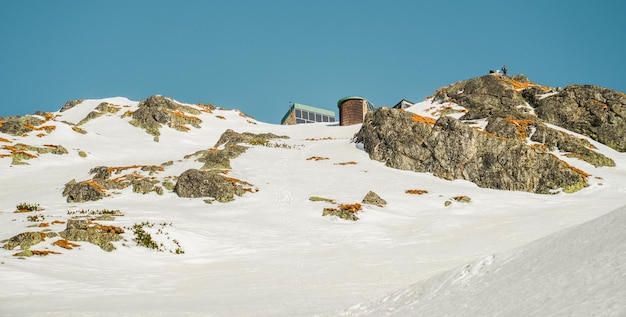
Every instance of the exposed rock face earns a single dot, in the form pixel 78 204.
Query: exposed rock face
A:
pixel 451 149
pixel 488 95
pixel 195 183
pixel 597 112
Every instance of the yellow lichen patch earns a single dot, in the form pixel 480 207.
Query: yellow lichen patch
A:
pixel 416 191
pixel 347 163
pixel 316 158
pixel 521 125
pixel 65 244
pixel 422 119
pixel 519 86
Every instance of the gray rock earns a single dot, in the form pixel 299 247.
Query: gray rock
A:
pixel 196 183
pixel 371 198
pixel 83 191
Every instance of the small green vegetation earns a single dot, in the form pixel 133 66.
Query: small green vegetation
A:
pixel 82 153
pixel 143 237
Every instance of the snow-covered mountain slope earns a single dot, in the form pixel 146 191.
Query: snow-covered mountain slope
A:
pixel 580 271
pixel 270 252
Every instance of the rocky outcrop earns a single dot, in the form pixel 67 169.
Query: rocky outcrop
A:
pixel 100 235
pixel 488 95
pixel 102 109
pixel 26 239
pixel 196 183
pixel 19 125
pixel 597 112
pixel 451 150
pixel 157 111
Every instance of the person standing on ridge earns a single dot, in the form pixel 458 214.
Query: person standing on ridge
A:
pixel 504 70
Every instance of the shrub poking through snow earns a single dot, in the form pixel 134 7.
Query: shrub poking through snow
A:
pixel 143 237
pixel 26 207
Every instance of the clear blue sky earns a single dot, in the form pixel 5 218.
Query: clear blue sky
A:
pixel 257 56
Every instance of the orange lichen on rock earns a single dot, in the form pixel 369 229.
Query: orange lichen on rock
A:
pixel 539 147
pixel 416 191
pixel 109 229
pixel 521 125
pixel 47 128
pixel 94 185
pixel 15 150
pixel 57 222
pixel 37 252
pixel 353 208
pixel 43 225
pixel 422 119
pixel 65 244
pixel 600 103
pixel 41 135
pixel 181 114
pixel 519 86
pixel 347 163
pixel 316 158
pixel 4 140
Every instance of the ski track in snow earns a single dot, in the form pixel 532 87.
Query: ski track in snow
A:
pixel 270 253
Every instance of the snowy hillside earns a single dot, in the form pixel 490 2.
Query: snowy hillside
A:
pixel 269 252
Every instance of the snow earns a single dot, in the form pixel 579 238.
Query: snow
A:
pixel 271 253
pixel 579 271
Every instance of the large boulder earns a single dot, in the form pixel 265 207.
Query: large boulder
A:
pixel 451 149
pixel 195 183
pixel 597 112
